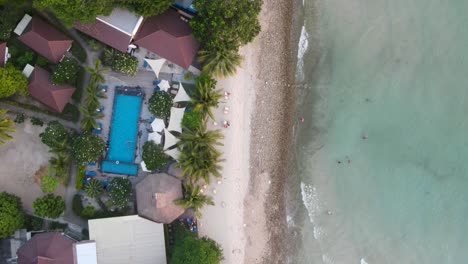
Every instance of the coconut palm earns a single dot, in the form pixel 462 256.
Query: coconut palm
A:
pixel 61 146
pixel 200 138
pixel 93 188
pixel 92 96
pixel 60 166
pixel 6 126
pixel 96 72
pixel 205 97
pixel 88 122
pixel 220 63
pixel 194 199
pixel 199 165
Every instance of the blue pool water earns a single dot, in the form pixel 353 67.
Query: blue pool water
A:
pixel 123 135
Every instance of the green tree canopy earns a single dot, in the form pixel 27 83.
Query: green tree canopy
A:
pixel 93 188
pixel 50 206
pixel 7 126
pixel 49 184
pixel 192 119
pixel 147 8
pixel 70 11
pixel 11 214
pixel 224 24
pixel 197 251
pixel 160 104
pixel 153 155
pixel 220 62
pixel 66 72
pixel 205 96
pixel 120 191
pixel 12 81
pixel 195 199
pixel 54 133
pixel 87 148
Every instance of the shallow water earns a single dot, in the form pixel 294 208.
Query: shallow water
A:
pixel 382 157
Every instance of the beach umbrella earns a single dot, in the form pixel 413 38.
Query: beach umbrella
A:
pixel 143 166
pixel 158 125
pixel 174 153
pixel 156 65
pixel 155 137
pixel 175 121
pixel 164 85
pixel 182 95
pixel 169 139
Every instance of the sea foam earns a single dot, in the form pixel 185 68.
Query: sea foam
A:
pixel 302 48
pixel 310 200
pixel 363 261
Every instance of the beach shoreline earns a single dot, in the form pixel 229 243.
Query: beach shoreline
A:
pixel 256 146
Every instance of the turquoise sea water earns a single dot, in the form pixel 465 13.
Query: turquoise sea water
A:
pixel 396 74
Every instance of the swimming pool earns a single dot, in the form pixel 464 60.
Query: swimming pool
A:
pixel 123 135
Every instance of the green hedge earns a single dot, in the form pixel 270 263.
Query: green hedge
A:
pixel 33 223
pixel 77 205
pixel 64 115
pixel 78 52
pixel 80 176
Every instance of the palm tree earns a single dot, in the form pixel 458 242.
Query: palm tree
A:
pixel 205 97
pixel 62 146
pixel 92 96
pixel 200 138
pixel 194 199
pixel 220 63
pixel 96 72
pixel 93 188
pixel 88 122
pixel 60 166
pixel 200 165
pixel 6 126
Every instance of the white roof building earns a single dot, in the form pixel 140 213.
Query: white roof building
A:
pixel 128 239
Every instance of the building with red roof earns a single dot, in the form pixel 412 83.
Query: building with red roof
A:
pixel 42 89
pixel 47 248
pixel 3 54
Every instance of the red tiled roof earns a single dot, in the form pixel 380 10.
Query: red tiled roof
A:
pixel 2 54
pixel 42 89
pixel 47 248
pixel 106 34
pixel 169 37
pixel 45 40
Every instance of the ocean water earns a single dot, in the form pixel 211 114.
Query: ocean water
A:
pixel 382 157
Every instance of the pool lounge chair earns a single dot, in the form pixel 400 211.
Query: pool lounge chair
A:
pixel 91 163
pixel 102 87
pixel 97 131
pixel 100 109
pixel 156 82
pixel 90 173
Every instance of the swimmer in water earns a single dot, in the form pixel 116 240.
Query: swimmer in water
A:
pixel 302 119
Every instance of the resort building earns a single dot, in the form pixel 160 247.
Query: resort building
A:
pixel 115 30
pixel 4 55
pixel 155 198
pixel 170 37
pixel 43 38
pixel 47 248
pixel 42 89
pixel 128 239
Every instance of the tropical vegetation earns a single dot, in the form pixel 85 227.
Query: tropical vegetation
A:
pixel 120 62
pixel 192 119
pixel 87 148
pixel 7 126
pixel 147 8
pixel 205 97
pixel 160 104
pixel 154 156
pixel 11 214
pixel 223 27
pixel 195 199
pixel 60 166
pixel 192 250
pixel 199 157
pixel 54 134
pixel 120 191
pixel 12 81
pixel 66 72
pixel 91 105
pixel 50 206
pixel 49 184
pixel 93 188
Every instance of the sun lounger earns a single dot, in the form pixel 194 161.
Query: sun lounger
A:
pixel 98 130
pixel 156 82
pixel 90 173
pixel 92 164
pixel 102 87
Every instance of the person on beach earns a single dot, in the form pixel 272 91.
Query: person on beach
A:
pixel 302 119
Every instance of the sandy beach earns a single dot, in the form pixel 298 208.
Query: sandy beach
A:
pixel 256 147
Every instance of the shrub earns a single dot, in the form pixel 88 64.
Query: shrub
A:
pixel 50 206
pixel 55 132
pixel 153 155
pixel 148 8
pixel 25 58
pixel 197 251
pixel 120 190
pixel 57 226
pixel 125 63
pixel 192 120
pixel 71 111
pixel 80 176
pixel 11 214
pixel 36 121
pixel 77 205
pixel 88 148
pixel 12 81
pixel 88 212
pixel 49 184
pixel 66 72
pixel 33 223
pixel 93 188
pixel 79 86
pixel 160 104
pixel 78 52
pixel 43 62
pixel 19 118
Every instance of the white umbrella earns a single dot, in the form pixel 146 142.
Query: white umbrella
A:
pixel 175 121
pixel 143 166
pixel 156 65
pixel 169 139
pixel 182 95
pixel 155 137
pixel 164 85
pixel 174 153
pixel 158 125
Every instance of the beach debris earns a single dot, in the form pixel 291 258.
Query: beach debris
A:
pixel 223 204
pixel 215 123
pixel 329 212
pixel 214 191
pixel 364 137
pixel 219 182
pixel 269 182
pixel 244 225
